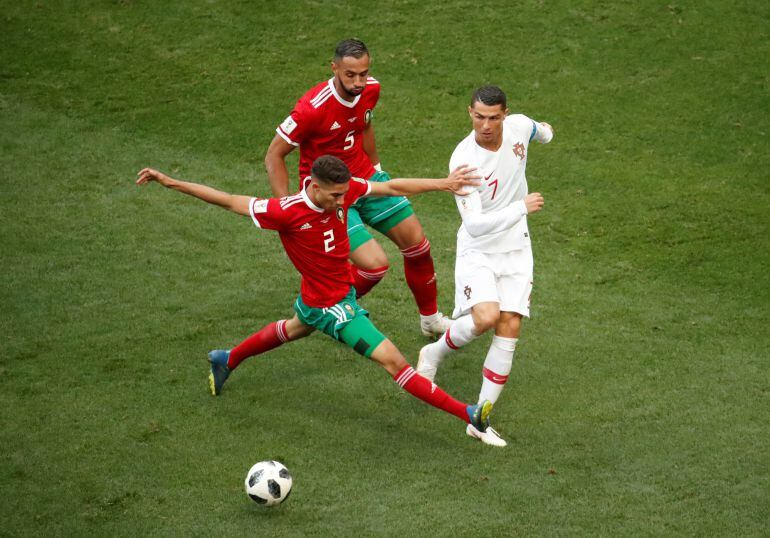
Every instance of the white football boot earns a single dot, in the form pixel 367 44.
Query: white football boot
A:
pixel 434 326
pixel 488 437
pixel 428 363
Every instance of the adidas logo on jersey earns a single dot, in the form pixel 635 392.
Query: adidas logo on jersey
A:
pixel 305 226
pixel 335 125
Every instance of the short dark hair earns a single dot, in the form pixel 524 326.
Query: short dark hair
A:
pixel 489 95
pixel 329 169
pixel 350 47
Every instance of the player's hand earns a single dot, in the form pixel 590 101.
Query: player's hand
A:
pixel 461 177
pixel 534 202
pixel 148 174
pixel 548 125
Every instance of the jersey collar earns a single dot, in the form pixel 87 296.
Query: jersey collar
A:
pixel 349 104
pixel 307 199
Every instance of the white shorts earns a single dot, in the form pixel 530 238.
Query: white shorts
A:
pixel 504 278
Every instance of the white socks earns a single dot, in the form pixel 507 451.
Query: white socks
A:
pixel 460 333
pixel 499 359
pixel 497 366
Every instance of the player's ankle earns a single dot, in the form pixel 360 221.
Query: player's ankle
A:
pixel 431 317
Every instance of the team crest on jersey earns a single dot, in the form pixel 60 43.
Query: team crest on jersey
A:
pixel 467 292
pixel 368 116
pixel 341 214
pixel 349 309
pixel 518 150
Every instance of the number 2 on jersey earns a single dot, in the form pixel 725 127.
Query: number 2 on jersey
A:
pixel 329 238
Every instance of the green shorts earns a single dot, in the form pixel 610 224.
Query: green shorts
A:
pixel 381 213
pixel 345 321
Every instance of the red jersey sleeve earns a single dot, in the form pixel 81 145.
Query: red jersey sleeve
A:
pixel 373 86
pixel 267 213
pixel 297 125
pixel 358 188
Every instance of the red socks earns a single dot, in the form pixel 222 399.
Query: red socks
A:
pixel 421 276
pixel 267 338
pixel 365 279
pixel 419 272
pixel 421 388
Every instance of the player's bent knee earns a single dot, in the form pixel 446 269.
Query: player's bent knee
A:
pixel 485 319
pixel 407 233
pixel 509 325
pixel 295 329
pixel 389 357
pixel 369 255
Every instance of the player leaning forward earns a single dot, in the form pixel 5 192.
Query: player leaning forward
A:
pixel 493 271
pixel 312 227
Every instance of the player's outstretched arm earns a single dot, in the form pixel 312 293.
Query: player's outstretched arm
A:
pixel 461 177
pixel 235 203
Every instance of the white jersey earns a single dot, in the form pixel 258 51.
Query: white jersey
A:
pixel 503 188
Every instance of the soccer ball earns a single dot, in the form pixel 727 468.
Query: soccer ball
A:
pixel 268 483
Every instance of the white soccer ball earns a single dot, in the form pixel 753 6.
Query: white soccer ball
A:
pixel 268 483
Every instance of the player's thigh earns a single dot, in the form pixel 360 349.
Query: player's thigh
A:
pixel 369 255
pixel 364 338
pixel 486 315
pixel 295 329
pixel 407 233
pixel 383 213
pixel 474 284
pixel 357 232
pixel 515 286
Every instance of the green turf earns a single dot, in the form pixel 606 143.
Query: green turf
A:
pixel 638 404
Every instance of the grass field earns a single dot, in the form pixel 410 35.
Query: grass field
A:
pixel 638 404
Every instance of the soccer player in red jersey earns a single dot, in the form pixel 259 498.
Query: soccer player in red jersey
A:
pixel 335 118
pixel 312 228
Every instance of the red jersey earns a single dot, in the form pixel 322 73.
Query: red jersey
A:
pixel 316 241
pixel 322 123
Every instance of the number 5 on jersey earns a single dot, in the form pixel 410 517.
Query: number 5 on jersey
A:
pixel 349 140
pixel 329 238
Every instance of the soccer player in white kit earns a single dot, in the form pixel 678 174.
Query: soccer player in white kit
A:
pixel 493 271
